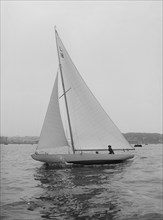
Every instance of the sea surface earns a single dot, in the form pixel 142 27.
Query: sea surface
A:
pixel 128 191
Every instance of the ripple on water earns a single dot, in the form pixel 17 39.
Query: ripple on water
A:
pixel 127 191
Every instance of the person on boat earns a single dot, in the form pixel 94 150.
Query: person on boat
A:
pixel 110 149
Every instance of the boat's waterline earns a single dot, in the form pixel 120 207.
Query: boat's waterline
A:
pixel 85 159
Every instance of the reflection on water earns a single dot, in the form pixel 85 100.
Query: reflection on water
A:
pixel 79 192
pixel 126 191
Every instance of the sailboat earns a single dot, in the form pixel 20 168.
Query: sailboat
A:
pixel 76 128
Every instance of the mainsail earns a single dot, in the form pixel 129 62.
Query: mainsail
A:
pixel 91 126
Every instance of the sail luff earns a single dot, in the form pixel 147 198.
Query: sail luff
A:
pixel 65 97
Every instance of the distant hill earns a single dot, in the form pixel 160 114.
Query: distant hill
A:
pixel 133 138
pixel 19 140
pixel 144 138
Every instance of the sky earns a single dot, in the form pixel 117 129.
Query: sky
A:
pixel 115 45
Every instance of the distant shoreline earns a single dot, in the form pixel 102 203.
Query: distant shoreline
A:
pixel 133 138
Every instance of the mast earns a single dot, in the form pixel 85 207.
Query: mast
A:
pixel 65 97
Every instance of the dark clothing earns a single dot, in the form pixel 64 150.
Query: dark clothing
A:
pixel 110 150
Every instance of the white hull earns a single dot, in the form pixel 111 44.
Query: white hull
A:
pixel 85 159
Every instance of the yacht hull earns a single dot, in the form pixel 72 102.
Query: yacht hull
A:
pixel 83 159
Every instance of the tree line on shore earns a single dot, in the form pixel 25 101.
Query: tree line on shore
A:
pixel 133 138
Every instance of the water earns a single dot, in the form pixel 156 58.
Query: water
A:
pixel 128 191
